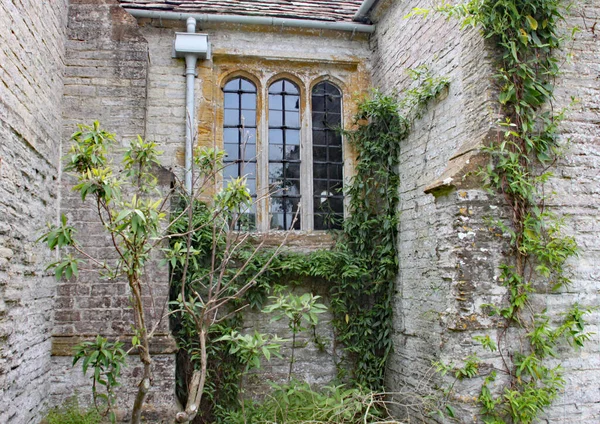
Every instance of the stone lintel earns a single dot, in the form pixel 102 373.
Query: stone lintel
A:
pixel 160 344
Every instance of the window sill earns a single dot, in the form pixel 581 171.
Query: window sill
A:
pixel 300 241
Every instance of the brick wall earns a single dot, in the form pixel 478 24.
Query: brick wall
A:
pixel 448 257
pixel 106 66
pixel 31 69
pixel 576 188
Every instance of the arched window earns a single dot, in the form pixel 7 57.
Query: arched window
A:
pixel 328 163
pixel 284 155
pixel 239 139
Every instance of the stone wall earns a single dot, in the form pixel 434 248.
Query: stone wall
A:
pixel 106 66
pixel 576 188
pixel 448 256
pixel 31 76
pixel 124 76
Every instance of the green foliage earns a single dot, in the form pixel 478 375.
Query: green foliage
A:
pixel 296 402
pixel 251 347
pixel 526 34
pixel 71 413
pixel 106 359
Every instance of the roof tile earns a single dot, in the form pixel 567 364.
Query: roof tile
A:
pixel 333 11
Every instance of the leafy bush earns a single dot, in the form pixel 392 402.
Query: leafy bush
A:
pixel 71 413
pixel 296 402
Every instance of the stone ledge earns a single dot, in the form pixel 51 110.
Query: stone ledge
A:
pixel 161 344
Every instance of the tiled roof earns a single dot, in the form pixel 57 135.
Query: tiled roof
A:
pixel 333 11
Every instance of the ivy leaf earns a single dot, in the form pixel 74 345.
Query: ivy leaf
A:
pixel 532 22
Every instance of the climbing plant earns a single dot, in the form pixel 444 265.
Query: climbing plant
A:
pixel 526 35
pixel 361 267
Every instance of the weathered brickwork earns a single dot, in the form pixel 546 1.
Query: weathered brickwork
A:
pixel 106 66
pixel 576 188
pixel 32 35
pixel 67 62
pixel 448 256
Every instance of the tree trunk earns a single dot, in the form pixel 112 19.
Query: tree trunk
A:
pixel 143 349
pixel 197 384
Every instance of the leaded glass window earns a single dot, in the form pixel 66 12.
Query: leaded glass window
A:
pixel 284 155
pixel 328 196
pixel 239 139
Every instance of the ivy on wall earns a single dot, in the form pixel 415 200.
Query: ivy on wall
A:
pixel 360 270
pixel 526 34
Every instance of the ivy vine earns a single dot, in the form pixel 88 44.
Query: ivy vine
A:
pixel 526 34
pixel 360 270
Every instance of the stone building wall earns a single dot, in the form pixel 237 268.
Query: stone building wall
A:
pixel 448 257
pixel 32 35
pixel 576 188
pixel 121 72
pixel 106 65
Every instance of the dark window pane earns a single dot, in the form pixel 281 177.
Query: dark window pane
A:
pixel 334 138
pixel 319 222
pixel 292 153
pixel 292 170
pixel 319 90
pixel 320 188
pixel 320 171
pixel 318 104
pixel 318 120
pixel 335 154
pixel 334 104
pixel 334 120
pixel 320 154
pixel 336 204
pixel 335 188
pixel 332 89
pixel 335 172
pixel 319 138
pixel 232 117
pixel 232 101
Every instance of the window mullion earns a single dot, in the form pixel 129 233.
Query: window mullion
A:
pixel 306 186
pixel 263 165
